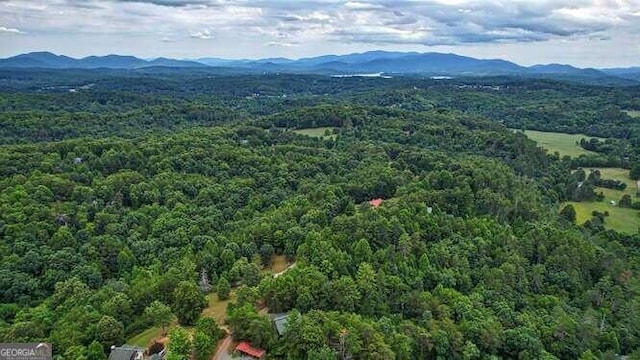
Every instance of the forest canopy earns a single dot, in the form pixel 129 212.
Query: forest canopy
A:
pixel 118 199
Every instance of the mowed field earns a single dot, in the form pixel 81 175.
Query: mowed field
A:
pixel 620 219
pixel 616 174
pixel 319 132
pixel 564 144
pixel 633 113
pixel 145 338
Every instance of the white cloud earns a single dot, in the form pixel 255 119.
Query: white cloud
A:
pixel 306 27
pixel 364 21
pixel 6 30
pixel 204 34
pixel 281 43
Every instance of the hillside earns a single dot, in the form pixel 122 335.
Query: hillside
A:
pixel 431 64
pixel 47 60
pixel 133 201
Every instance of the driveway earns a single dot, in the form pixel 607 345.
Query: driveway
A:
pixel 224 350
pixel 285 270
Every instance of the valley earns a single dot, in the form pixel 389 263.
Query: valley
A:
pixel 319 180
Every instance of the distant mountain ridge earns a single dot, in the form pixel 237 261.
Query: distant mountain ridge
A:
pixel 52 61
pixel 434 64
pixel 631 73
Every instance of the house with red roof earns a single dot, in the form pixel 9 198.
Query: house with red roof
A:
pixel 375 202
pixel 245 348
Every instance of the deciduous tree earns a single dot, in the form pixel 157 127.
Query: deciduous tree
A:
pixel 188 302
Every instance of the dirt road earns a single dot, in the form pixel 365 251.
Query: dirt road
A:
pixel 224 350
pixel 285 270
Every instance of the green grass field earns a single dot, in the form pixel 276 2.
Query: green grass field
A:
pixel 564 144
pixel 317 132
pixel 616 174
pixel 620 219
pixel 633 113
pixel 144 338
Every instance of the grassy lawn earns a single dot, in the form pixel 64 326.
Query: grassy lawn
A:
pixel 615 195
pixel 217 309
pixel 620 219
pixel 633 113
pixel 278 264
pixel 144 338
pixel 616 174
pixel 564 144
pixel 317 132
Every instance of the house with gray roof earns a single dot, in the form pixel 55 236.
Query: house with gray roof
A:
pixel 126 352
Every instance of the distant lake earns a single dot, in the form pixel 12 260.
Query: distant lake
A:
pixel 362 75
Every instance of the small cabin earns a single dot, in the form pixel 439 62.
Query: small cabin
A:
pixel 245 349
pixel 375 203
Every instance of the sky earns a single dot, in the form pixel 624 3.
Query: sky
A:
pixel 596 33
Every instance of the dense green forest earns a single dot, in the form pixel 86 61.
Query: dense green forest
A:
pixel 126 197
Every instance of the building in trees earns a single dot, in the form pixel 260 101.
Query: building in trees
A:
pixel 126 352
pixel 280 321
pixel 375 203
pixel 156 351
pixel 245 348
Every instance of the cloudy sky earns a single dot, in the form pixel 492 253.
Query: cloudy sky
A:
pixel 596 33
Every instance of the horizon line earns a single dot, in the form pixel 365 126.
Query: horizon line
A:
pixel 196 59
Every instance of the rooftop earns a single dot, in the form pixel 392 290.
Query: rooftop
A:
pixel 246 348
pixel 281 320
pixel 375 202
pixel 126 352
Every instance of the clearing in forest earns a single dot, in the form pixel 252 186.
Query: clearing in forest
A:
pixel 319 132
pixel 621 219
pixel 278 264
pixel 616 174
pixel 216 309
pixel 564 144
pixel 633 113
